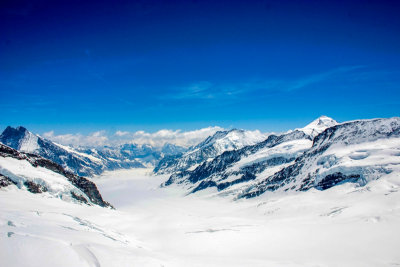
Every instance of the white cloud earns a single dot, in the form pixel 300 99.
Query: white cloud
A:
pixel 98 138
pixel 121 133
pixel 158 139
pixel 176 137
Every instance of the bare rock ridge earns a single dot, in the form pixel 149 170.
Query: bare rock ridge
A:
pixel 20 169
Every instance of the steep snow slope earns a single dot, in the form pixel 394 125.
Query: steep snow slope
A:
pixel 213 146
pixel 39 175
pixel 236 168
pixel 318 126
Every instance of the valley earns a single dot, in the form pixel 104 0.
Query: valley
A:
pixel 347 225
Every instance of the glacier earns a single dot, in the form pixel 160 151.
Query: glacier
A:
pixel 326 194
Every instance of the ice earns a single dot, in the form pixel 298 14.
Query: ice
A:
pixel 346 225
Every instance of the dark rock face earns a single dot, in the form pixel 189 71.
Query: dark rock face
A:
pixel 247 176
pixel 204 185
pixel 79 198
pixel 86 186
pixel 335 179
pixel 35 188
pixel 275 181
pixel 5 181
pixel 13 136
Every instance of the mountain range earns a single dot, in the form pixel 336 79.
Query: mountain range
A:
pixel 321 155
pixel 239 163
pixel 87 161
pixel 211 147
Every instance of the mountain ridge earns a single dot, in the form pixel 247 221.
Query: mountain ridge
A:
pixel 86 161
pixel 39 175
pixel 211 147
pixel 273 164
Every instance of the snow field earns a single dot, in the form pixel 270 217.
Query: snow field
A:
pixel 346 225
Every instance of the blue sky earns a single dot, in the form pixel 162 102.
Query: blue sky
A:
pixel 146 65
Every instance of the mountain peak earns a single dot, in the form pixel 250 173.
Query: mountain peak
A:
pixel 322 121
pixel 319 125
pixel 21 129
pixel 19 138
pixel 12 131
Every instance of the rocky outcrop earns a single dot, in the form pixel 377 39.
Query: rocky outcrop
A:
pixel 84 185
pixel 5 181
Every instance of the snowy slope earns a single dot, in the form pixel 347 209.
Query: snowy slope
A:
pixel 355 151
pixel 213 146
pixel 81 161
pixel 347 226
pixel 41 176
pixel 318 126
pixel 325 200
pixel 237 168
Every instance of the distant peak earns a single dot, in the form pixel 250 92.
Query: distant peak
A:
pixel 319 125
pixel 12 131
pixel 21 129
pixel 322 121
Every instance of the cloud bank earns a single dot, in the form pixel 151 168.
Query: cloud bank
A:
pixel 98 138
pixel 157 139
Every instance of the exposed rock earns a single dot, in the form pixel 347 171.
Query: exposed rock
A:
pixel 83 184
pixel 5 181
pixel 35 188
pixel 336 178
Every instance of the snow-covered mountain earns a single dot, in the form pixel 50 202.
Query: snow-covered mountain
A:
pixel 39 175
pixel 73 160
pixel 86 161
pixel 320 155
pixel 347 225
pixel 356 151
pixel 318 126
pixel 213 146
pixel 241 165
